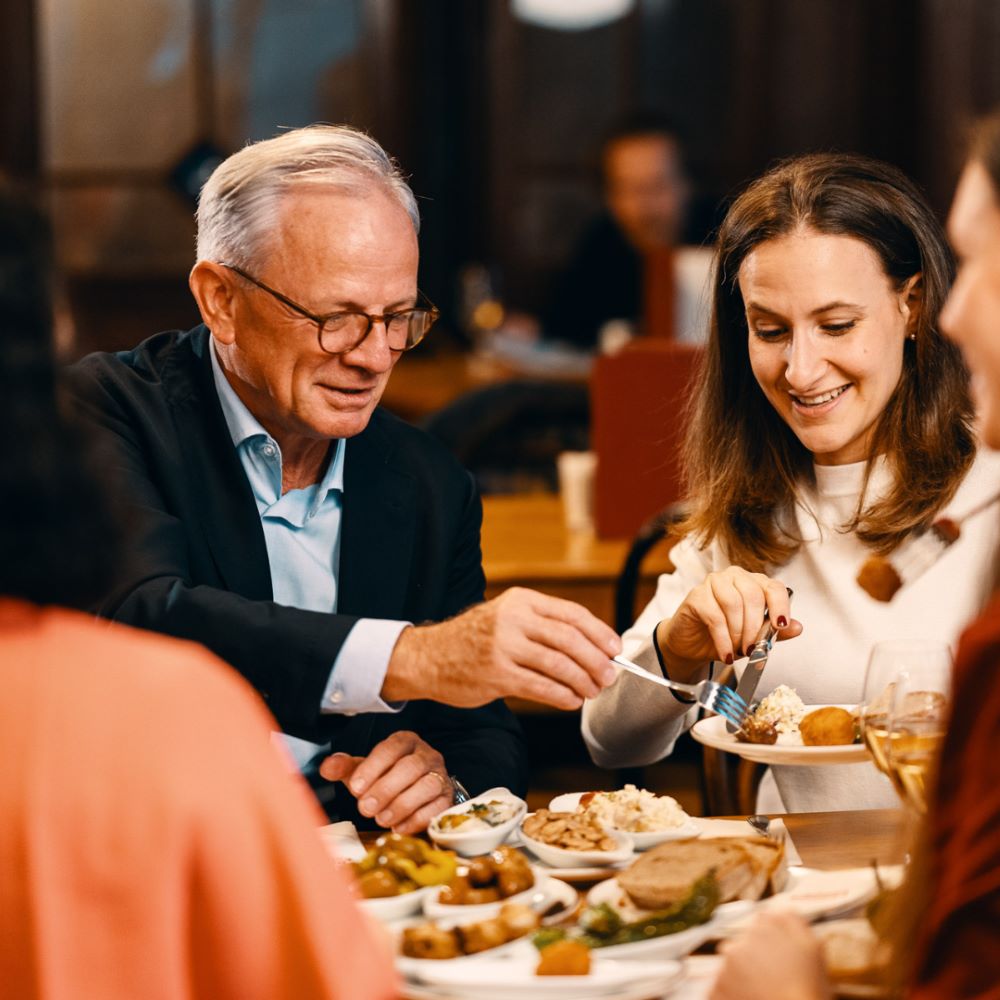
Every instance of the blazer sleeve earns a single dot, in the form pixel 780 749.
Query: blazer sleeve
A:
pixel 285 653
pixel 483 747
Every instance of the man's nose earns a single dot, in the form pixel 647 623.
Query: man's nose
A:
pixel 806 361
pixel 373 353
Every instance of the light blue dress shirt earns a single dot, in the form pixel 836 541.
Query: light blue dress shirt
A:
pixel 302 535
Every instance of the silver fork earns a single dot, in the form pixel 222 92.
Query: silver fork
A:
pixel 715 697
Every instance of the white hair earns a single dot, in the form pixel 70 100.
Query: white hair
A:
pixel 239 203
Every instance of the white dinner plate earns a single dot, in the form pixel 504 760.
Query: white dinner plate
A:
pixel 712 732
pixel 644 840
pixel 559 857
pixel 545 892
pixel 513 977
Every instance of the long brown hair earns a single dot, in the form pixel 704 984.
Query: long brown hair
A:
pixel 742 460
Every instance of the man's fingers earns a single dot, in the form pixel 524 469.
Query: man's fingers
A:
pixel 404 774
pixel 562 652
pixel 597 632
pixel 420 820
pixel 431 785
pixel 382 758
pixel 339 766
pixel 534 686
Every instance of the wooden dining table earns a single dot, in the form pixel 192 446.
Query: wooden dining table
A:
pixel 526 544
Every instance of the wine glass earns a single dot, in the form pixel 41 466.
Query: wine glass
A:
pixel 903 713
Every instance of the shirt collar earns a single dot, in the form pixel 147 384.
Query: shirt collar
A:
pixel 244 426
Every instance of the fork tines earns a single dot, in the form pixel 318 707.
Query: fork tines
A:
pixel 727 703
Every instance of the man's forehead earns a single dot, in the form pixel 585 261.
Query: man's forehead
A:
pixel 641 149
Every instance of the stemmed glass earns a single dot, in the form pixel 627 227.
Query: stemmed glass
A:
pixel 904 712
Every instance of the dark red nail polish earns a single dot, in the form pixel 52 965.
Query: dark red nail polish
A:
pixel 782 621
pixel 729 659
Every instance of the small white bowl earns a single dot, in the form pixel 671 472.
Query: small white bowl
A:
pixel 389 908
pixel 643 840
pixel 472 843
pixel 559 857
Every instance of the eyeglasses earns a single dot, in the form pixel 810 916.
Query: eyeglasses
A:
pixel 341 332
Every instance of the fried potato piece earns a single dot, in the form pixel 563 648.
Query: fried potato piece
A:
pixel 564 958
pixel 430 941
pixel 828 727
pixel 519 919
pixel 483 935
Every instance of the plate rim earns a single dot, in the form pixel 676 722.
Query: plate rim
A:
pixel 763 753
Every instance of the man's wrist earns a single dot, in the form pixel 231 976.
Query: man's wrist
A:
pixel 409 674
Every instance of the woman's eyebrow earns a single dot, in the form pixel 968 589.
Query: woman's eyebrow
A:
pixel 830 306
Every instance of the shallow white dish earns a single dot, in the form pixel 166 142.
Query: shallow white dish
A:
pixel 669 945
pixel 559 857
pixel 712 732
pixel 475 842
pixel 642 841
pixel 390 908
pixel 542 894
pixel 809 892
pixel 513 976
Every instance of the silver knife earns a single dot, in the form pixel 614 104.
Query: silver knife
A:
pixel 759 652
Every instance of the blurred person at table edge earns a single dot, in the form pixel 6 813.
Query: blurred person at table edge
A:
pixel 832 420
pixel 153 843
pixel 295 528
pixel 639 237
pixel 949 908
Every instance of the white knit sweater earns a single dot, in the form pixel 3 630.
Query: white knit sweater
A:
pixel 634 723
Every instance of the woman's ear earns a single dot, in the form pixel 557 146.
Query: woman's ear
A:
pixel 911 302
pixel 213 290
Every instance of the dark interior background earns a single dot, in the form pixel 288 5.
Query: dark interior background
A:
pixel 109 107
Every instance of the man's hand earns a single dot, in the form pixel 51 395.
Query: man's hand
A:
pixel 522 644
pixel 403 782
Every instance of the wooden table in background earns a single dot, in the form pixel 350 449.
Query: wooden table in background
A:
pixel 526 544
pixel 832 840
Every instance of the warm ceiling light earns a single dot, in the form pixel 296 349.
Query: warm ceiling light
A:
pixel 570 15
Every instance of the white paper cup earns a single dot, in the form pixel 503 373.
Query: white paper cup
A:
pixel 576 487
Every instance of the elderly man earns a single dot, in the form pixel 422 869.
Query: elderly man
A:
pixel 297 530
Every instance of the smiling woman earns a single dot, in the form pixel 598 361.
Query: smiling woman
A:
pixel 831 419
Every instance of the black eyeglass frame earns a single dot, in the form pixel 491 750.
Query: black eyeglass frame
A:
pixel 427 307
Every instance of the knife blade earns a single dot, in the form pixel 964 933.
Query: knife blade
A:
pixel 759 652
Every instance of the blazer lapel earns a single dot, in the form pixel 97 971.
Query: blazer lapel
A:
pixel 222 494
pixel 379 520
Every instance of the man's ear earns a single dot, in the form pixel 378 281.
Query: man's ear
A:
pixel 214 290
pixel 912 301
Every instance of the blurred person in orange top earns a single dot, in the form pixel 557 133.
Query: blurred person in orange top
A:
pixel 943 925
pixel 152 843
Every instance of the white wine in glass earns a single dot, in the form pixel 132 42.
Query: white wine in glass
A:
pixel 903 712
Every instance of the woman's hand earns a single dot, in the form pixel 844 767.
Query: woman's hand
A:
pixel 777 958
pixel 720 619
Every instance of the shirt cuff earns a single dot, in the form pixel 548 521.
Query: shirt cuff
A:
pixel 359 670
